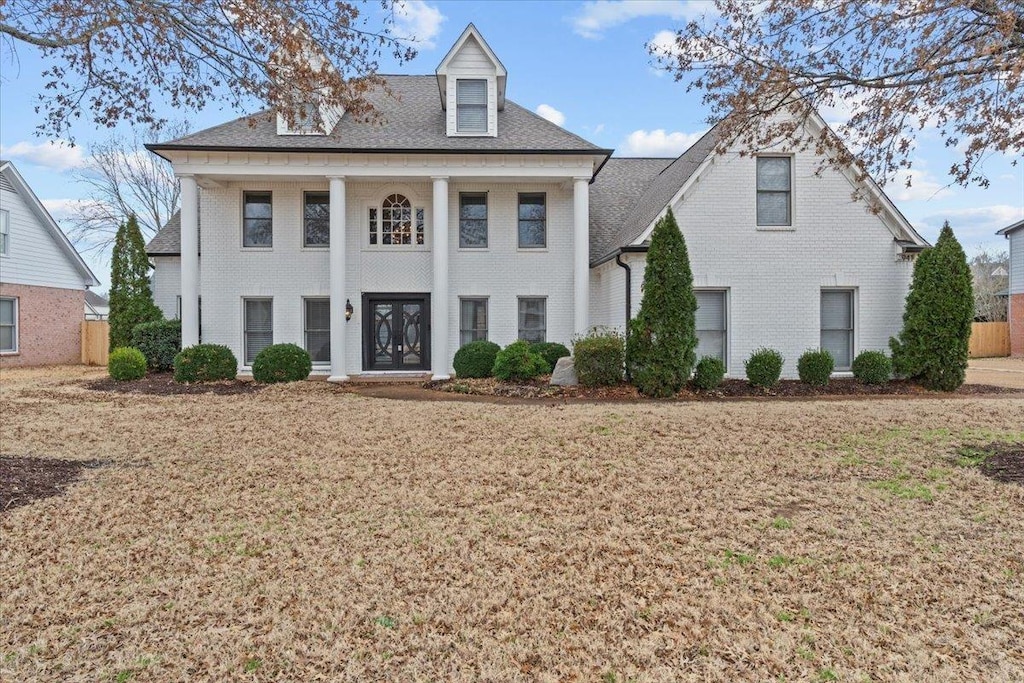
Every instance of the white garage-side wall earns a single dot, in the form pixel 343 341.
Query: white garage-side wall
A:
pixel 774 277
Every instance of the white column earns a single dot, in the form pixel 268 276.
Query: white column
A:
pixel 439 359
pixel 337 265
pixel 581 254
pixel 189 261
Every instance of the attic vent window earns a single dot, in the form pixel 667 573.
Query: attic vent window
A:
pixel 307 118
pixel 471 105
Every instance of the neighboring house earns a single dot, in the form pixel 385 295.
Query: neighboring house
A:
pixel 1015 309
pixel 43 280
pixel 96 307
pixel 464 216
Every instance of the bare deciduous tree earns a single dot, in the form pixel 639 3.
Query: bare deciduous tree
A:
pixel 121 179
pixel 122 60
pixel 991 274
pixel 896 66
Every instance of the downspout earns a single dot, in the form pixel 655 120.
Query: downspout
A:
pixel 629 297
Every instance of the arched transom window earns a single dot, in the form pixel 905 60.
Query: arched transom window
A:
pixel 396 222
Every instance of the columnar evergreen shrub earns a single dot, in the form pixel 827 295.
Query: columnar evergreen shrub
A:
pixel 131 301
pixel 475 359
pixel 598 358
pixel 932 348
pixel 518 361
pixel 764 367
pixel 205 363
pixel 551 351
pixel 815 367
pixel 281 363
pixel 872 367
pixel 159 341
pixel 709 373
pixel 126 363
pixel 662 343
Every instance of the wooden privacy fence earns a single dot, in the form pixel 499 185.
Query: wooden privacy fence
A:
pixel 95 342
pixel 989 340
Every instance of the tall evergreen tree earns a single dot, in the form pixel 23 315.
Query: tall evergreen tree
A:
pixel 932 348
pixel 662 344
pixel 131 301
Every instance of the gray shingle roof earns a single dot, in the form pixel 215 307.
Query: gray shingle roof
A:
pixel 167 242
pixel 411 120
pixel 657 192
pixel 94 299
pixel 614 193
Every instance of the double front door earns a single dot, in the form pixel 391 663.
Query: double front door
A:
pixel 396 331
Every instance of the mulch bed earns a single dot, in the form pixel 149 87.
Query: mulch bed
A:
pixel 732 388
pixel 163 384
pixel 23 480
pixel 1006 463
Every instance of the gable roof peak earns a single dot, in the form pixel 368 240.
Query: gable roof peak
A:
pixel 471 32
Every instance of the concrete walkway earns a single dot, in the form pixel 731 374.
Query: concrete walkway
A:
pixel 1000 372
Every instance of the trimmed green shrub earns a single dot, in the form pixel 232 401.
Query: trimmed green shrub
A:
pixel 159 342
pixel 126 363
pixel 764 367
pixel 932 348
pixel 551 351
pixel 518 361
pixel 475 359
pixel 205 363
pixel 662 343
pixel 709 373
pixel 815 367
pixel 872 367
pixel 282 363
pixel 599 358
pixel 131 301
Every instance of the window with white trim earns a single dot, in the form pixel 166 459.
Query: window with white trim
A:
pixel 317 329
pixel 257 219
pixel 837 326
pixel 8 325
pixel 774 191
pixel 5 231
pixel 711 323
pixel 471 105
pixel 316 219
pixel 397 222
pixel 258 325
pixel 533 319
pixel 472 220
pixel 472 320
pixel 533 230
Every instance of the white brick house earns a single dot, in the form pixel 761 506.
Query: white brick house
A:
pixel 463 215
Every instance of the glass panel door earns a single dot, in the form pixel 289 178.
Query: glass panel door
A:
pixel 395 335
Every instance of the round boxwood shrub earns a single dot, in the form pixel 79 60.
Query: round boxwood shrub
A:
pixel 872 367
pixel 126 363
pixel 205 363
pixel 815 367
pixel 709 373
pixel 282 363
pixel 518 361
pixel 599 358
pixel 551 352
pixel 159 342
pixel 475 359
pixel 764 367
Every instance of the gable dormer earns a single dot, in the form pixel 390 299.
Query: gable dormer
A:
pixel 471 81
pixel 315 115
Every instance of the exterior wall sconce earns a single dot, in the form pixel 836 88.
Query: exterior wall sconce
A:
pixel 348 310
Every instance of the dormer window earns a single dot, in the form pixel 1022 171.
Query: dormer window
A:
pixel 471 105
pixel 307 119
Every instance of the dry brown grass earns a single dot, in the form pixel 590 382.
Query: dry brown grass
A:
pixel 305 533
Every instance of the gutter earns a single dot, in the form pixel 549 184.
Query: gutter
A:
pixel 628 249
pixel 629 299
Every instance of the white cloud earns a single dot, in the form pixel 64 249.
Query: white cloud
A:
pixel 551 114
pixel 657 143
pixel 923 185
pixel 598 128
pixel 972 225
pixel 418 22
pixel 57 155
pixel 596 17
pixel 663 43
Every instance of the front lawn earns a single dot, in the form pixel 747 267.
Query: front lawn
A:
pixel 303 532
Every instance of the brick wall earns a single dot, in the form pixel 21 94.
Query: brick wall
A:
pixel 49 325
pixel 1017 324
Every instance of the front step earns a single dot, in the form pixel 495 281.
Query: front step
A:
pixel 391 378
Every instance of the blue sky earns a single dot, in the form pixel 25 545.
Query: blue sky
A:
pixel 583 65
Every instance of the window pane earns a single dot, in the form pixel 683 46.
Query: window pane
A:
pixel 259 330
pixel 472 220
pixel 472 320
pixel 532 320
pixel 471 106
pixel 317 219
pixel 257 212
pixel 6 311
pixel 836 310
pixel 318 329
pixel 711 325
pixel 773 173
pixel 471 91
pixel 773 208
pixel 6 337
pixel 710 343
pixel 839 344
pixel 532 221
